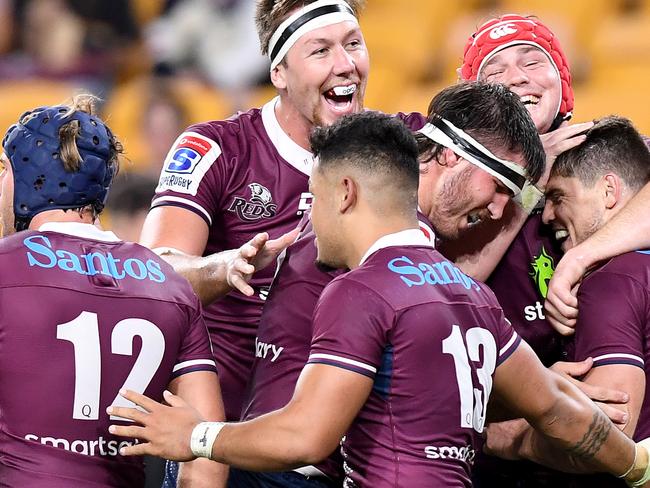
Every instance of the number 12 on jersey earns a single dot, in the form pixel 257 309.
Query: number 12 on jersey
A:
pixel 83 333
pixel 473 401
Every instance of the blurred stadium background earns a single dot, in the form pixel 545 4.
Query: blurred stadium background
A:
pixel 160 65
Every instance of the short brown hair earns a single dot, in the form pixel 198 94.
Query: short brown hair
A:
pixel 612 144
pixel 269 14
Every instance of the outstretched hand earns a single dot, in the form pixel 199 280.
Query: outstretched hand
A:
pixel 163 431
pixel 253 256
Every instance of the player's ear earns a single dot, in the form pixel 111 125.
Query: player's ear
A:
pixel 279 77
pixel 348 195
pixel 612 190
pixel 449 158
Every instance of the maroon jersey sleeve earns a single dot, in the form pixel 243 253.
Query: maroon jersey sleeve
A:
pixel 351 323
pixel 611 323
pixel 195 353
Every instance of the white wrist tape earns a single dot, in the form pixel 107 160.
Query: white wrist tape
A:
pixel 645 443
pixel 203 436
pixel 529 197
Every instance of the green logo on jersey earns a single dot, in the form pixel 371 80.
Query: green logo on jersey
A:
pixel 543 268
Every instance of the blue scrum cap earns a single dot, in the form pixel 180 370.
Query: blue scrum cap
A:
pixel 40 180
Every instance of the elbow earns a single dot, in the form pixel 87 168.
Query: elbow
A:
pixel 311 449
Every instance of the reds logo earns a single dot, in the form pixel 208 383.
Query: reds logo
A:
pixel 502 31
pixel 259 206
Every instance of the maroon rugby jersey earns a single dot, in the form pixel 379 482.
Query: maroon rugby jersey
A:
pixel 520 283
pixel 242 176
pixel 285 332
pixel 430 338
pixel 614 328
pixel 83 314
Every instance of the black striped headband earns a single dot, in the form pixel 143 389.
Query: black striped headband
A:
pixel 313 16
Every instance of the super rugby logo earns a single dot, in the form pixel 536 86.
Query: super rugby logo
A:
pixel 502 31
pixel 186 155
pixel 260 205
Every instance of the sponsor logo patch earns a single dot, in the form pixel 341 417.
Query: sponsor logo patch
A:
pixel 502 31
pixel 187 163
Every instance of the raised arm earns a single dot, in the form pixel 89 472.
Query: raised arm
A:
pixel 179 237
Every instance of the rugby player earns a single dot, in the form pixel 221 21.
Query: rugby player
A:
pixel 225 181
pixel 450 189
pixel 522 53
pixel 84 313
pixel 589 185
pixel 407 375
pixel 625 232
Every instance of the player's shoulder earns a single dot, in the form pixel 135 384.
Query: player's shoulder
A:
pixel 422 273
pixel 237 127
pixel 13 242
pixel 11 247
pixel 634 266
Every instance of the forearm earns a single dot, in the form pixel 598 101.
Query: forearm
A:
pixel 587 440
pixel 206 274
pixel 202 473
pixel 273 442
pixel 201 390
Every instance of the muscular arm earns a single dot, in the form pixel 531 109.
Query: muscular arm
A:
pixel 186 234
pixel 567 425
pixel 180 236
pixel 307 430
pixel 201 390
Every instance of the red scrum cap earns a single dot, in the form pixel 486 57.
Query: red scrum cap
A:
pixel 509 30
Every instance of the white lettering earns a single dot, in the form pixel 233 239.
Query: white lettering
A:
pixel 534 312
pixel 464 453
pixel 80 446
pixel 262 350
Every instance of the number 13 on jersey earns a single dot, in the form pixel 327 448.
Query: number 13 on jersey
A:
pixel 473 401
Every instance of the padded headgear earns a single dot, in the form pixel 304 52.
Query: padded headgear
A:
pixel 40 180
pixel 509 30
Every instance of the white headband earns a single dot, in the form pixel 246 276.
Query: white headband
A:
pixel 314 16
pixel 510 174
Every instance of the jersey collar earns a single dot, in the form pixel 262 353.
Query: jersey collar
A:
pixel 78 229
pixel 409 237
pixel 296 156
